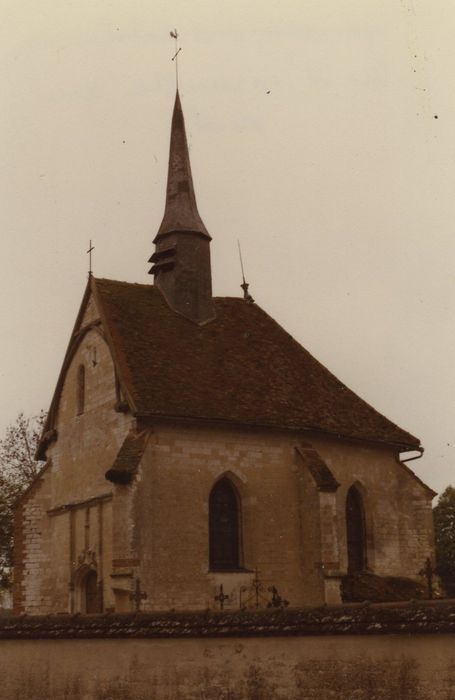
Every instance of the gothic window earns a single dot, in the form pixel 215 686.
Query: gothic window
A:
pixel 224 527
pixel 355 531
pixel 80 389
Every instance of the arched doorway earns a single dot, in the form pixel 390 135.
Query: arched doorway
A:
pixel 88 593
pixel 355 531
pixel 224 527
pixel 91 593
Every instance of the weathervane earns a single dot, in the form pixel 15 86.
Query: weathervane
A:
pixel 246 295
pixel 174 35
pixel 90 248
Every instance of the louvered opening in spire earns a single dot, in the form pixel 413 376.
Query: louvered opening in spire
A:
pixel 181 261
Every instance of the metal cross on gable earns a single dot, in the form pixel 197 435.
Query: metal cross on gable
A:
pixel 138 595
pixel 89 252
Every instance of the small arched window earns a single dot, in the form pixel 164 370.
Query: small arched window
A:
pixel 355 531
pixel 224 526
pixel 80 389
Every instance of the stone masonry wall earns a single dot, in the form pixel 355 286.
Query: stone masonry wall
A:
pixel 171 515
pixel 399 525
pixel 32 591
pixel 87 443
pixel 65 521
pixel 284 517
pixel 415 525
pixel 310 519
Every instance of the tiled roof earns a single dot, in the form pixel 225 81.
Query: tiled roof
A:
pixel 128 458
pixel 319 470
pixel 242 368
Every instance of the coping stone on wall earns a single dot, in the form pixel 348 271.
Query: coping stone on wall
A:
pixel 422 617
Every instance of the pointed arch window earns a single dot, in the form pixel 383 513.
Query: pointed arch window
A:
pixel 355 531
pixel 224 527
pixel 80 389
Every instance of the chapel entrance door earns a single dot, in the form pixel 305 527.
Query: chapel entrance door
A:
pixel 355 531
pixel 92 597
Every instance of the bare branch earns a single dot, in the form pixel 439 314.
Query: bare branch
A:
pixel 18 468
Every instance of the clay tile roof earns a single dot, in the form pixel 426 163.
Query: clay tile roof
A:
pixel 241 367
pixel 319 470
pixel 128 458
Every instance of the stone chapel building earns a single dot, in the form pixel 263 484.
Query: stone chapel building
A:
pixel 191 441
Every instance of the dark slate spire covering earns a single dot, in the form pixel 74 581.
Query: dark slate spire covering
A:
pixel 181 261
pixel 181 212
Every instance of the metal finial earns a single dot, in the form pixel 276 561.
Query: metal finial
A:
pixel 174 34
pixel 89 251
pixel 246 295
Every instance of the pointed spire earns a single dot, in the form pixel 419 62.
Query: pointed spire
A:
pixel 181 261
pixel 181 212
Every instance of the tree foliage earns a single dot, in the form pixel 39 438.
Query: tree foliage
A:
pixel 444 525
pixel 18 468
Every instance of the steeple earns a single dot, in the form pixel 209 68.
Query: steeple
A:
pixel 182 256
pixel 181 212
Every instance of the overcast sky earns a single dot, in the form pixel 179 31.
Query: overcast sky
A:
pixel 321 134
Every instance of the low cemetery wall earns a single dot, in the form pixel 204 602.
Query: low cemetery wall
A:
pixel 361 652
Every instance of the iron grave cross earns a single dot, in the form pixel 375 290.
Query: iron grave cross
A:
pixel 138 595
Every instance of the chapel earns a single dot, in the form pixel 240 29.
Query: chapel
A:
pixel 196 456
